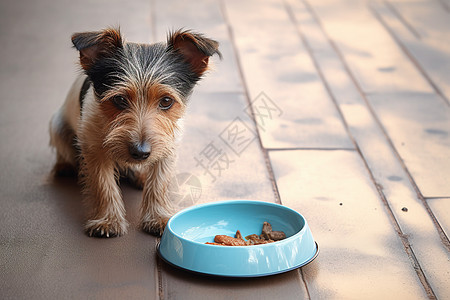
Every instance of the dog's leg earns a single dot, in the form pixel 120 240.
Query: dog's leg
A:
pixel 62 138
pixel 102 192
pixel 156 207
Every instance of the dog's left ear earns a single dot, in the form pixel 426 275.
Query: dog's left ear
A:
pixel 195 49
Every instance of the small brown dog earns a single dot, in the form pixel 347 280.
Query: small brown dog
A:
pixel 122 117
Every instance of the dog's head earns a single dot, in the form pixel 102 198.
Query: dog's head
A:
pixel 142 89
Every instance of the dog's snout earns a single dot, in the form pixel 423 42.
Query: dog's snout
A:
pixel 140 151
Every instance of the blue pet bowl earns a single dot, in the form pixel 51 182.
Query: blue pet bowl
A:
pixel 183 241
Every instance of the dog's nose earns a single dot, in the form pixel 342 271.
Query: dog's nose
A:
pixel 140 151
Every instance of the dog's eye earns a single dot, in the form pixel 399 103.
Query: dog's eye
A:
pixel 166 103
pixel 120 102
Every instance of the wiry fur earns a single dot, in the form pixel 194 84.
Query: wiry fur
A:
pixel 106 138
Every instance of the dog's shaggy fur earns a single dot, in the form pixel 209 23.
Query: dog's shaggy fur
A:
pixel 122 118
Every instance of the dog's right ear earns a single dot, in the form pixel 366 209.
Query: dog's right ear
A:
pixel 96 44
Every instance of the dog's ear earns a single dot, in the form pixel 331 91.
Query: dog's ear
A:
pixel 96 44
pixel 195 49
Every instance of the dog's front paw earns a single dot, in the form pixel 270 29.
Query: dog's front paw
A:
pixel 155 227
pixel 105 228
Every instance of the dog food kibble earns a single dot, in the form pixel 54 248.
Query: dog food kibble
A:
pixel 267 228
pixel 277 235
pixel 229 241
pixel 255 239
pixel 267 236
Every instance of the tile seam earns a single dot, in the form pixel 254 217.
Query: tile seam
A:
pixel 264 151
pixel 405 242
pixel 363 95
pixel 406 51
pixel 445 240
pixel 310 149
pixel 402 20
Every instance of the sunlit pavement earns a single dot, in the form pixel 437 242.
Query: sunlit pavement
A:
pixel 337 109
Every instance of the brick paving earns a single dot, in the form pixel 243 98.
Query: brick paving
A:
pixel 342 110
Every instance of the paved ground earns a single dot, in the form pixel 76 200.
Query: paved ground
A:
pixel 344 112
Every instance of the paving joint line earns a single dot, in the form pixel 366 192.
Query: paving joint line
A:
pixel 264 151
pixel 407 246
pixel 445 240
pixel 419 195
pixel 445 5
pixel 408 54
pixel 159 281
pixel 437 197
pixel 302 276
pixel 310 149
pixel 252 113
pixel 402 20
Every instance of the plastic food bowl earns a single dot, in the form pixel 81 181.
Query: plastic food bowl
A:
pixel 183 242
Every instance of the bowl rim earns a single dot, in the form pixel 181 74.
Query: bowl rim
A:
pixel 216 275
pixel 238 201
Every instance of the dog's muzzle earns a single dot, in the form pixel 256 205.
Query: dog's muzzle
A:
pixel 140 151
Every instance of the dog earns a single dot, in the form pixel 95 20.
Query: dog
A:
pixel 123 118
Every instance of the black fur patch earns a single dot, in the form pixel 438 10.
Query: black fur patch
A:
pixel 135 62
pixel 109 62
pixel 84 88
